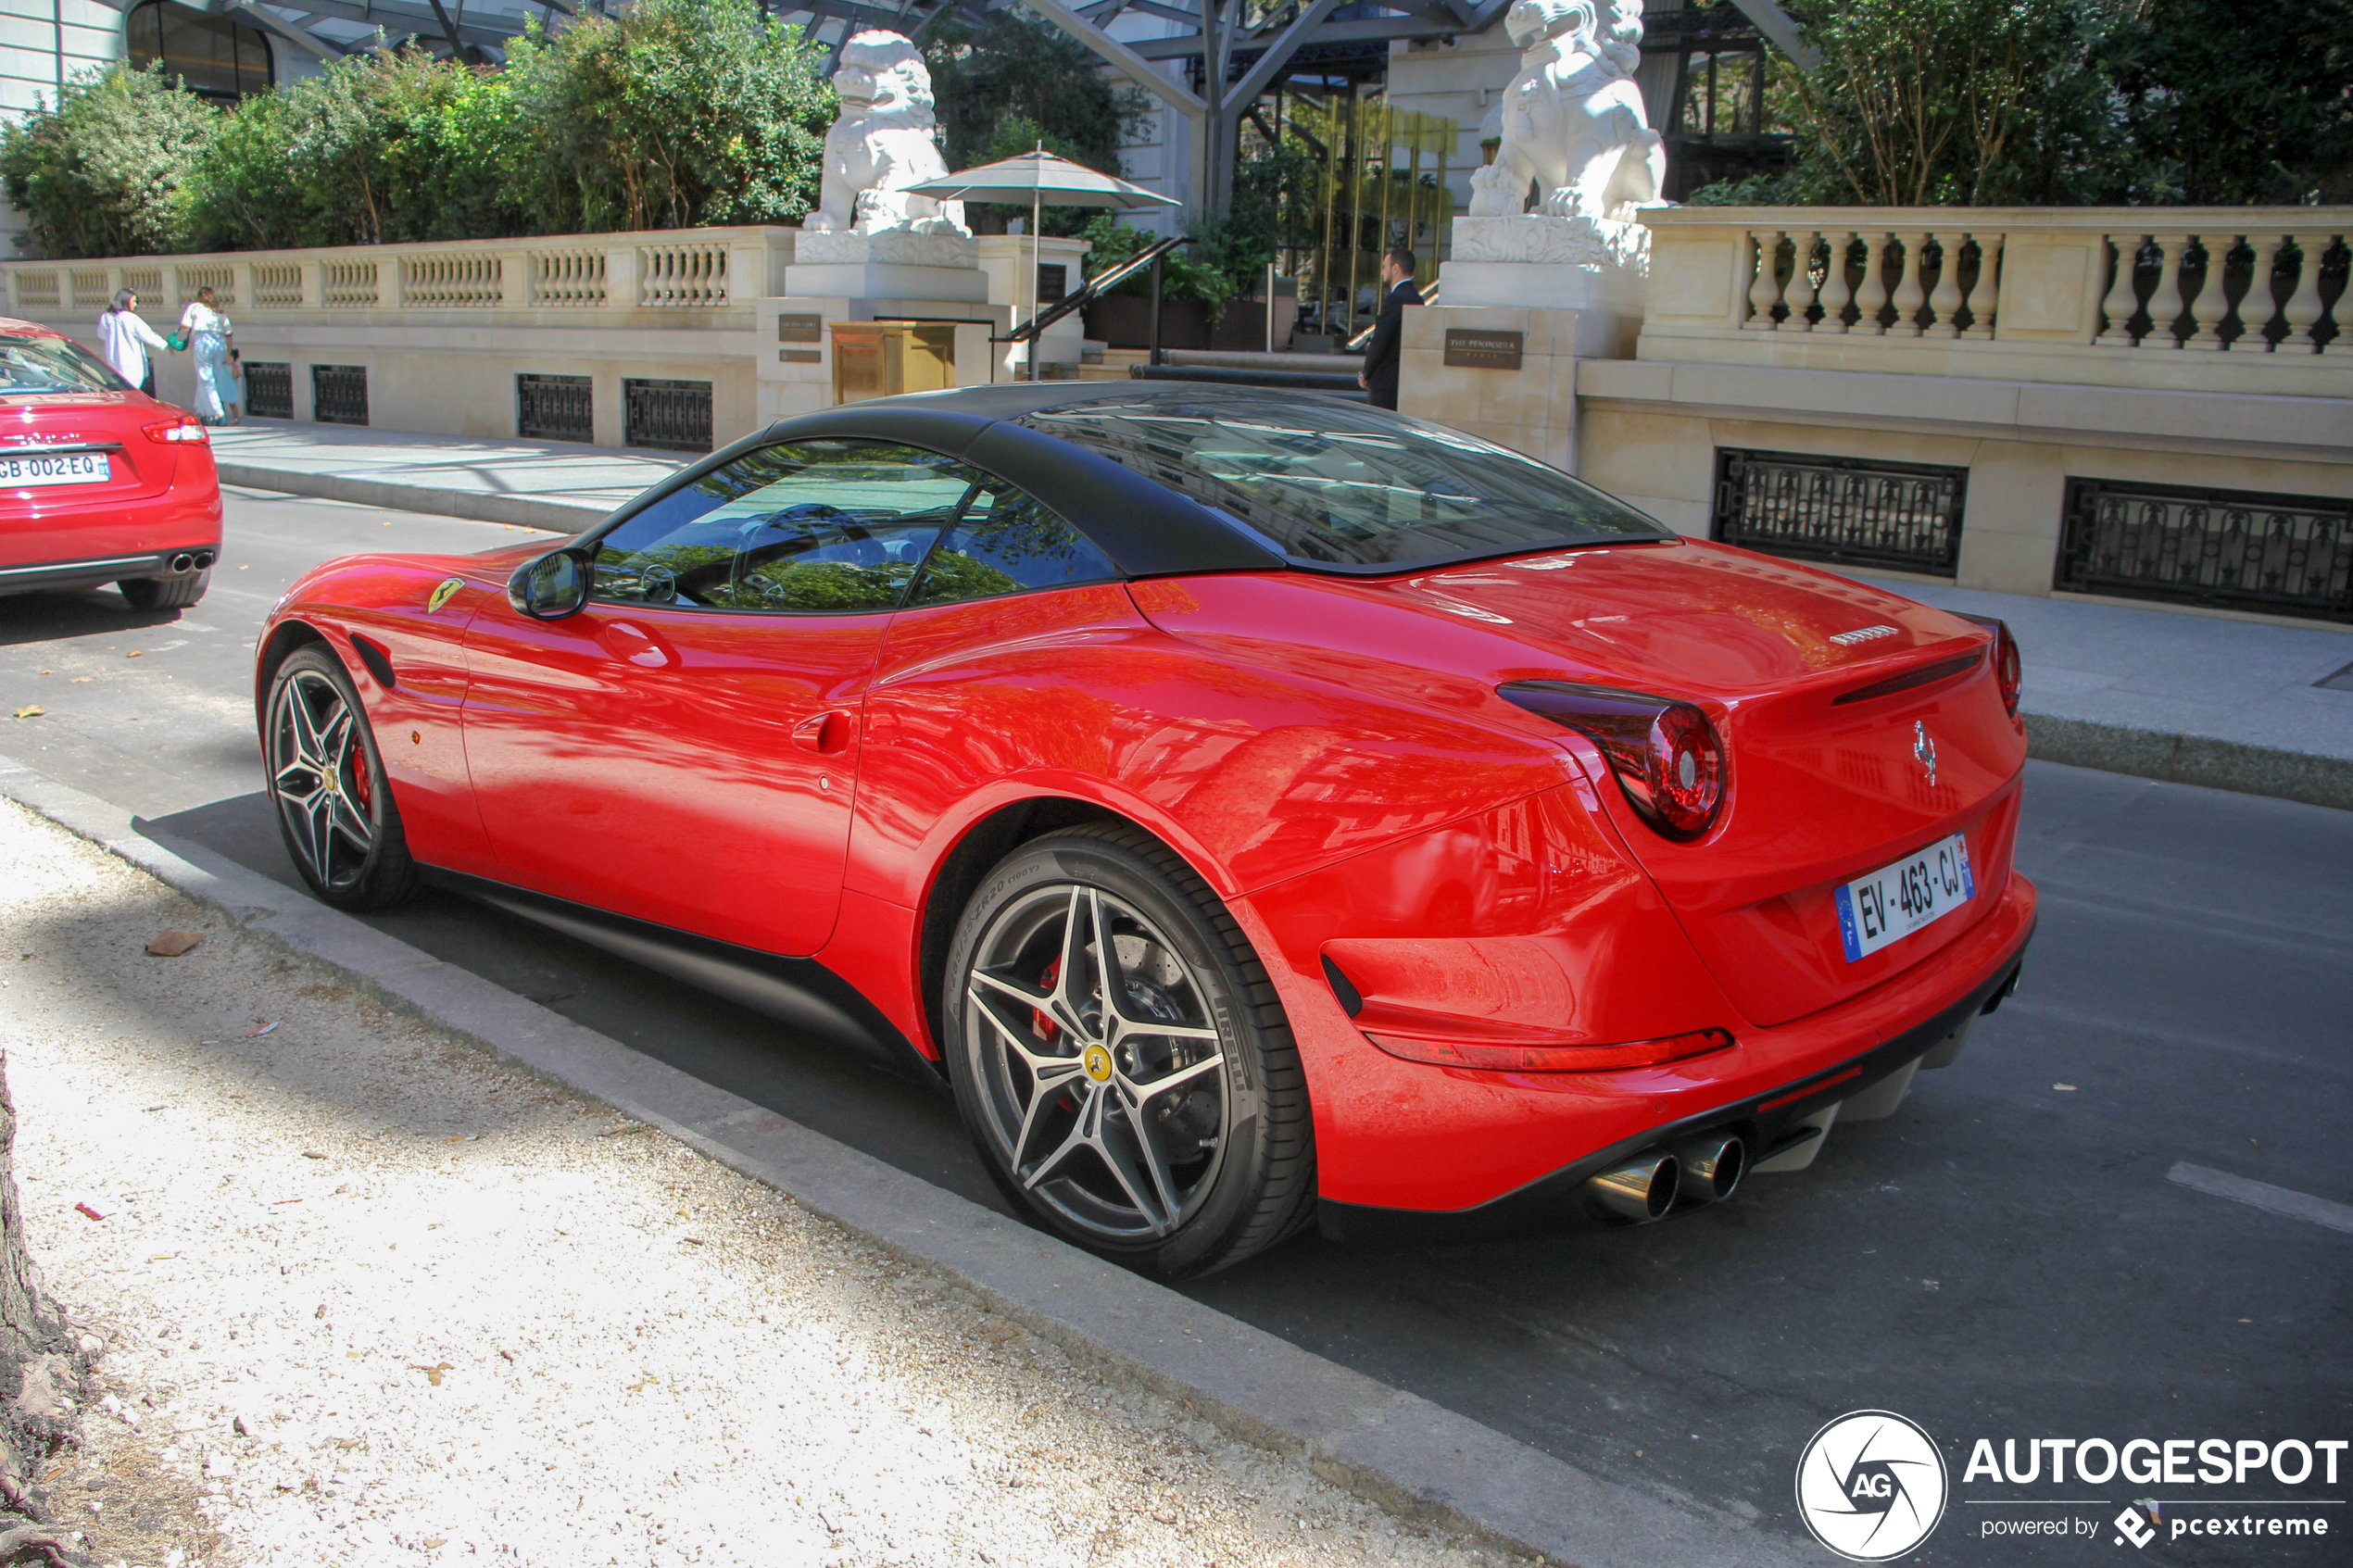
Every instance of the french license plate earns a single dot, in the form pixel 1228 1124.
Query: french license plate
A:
pixel 22 470
pixel 1897 900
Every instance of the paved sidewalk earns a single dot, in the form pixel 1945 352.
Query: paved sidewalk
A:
pixel 2163 694
pixel 2212 700
pixel 553 484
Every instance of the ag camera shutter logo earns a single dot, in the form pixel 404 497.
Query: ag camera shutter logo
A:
pixel 1871 1485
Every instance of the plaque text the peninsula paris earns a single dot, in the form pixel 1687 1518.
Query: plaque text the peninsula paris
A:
pixel 1483 351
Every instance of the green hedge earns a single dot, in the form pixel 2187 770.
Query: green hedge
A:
pixel 673 114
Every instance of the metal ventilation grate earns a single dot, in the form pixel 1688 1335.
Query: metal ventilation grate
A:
pixel 673 415
pixel 339 395
pixel 2232 549
pixel 1903 515
pixel 269 390
pixel 555 408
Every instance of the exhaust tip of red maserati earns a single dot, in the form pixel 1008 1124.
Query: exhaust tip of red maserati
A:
pixel 1642 1189
pixel 1713 1165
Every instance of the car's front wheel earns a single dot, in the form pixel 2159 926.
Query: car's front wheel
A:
pixel 1122 1060
pixel 334 809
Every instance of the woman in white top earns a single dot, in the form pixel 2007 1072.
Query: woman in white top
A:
pixel 123 342
pixel 208 334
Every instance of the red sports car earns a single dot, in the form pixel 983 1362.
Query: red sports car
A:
pixel 99 482
pixel 1258 808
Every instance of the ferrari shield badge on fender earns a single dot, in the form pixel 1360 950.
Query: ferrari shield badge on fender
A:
pixel 441 592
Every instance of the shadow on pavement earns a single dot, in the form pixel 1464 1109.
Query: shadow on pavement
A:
pixel 907 1123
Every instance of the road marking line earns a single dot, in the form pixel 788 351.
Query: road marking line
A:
pixel 2263 1195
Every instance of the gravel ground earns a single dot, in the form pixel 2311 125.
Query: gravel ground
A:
pixel 369 1297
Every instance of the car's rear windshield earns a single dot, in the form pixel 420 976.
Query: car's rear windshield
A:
pixel 1348 487
pixel 52 364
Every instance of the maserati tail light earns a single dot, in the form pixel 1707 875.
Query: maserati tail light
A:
pixel 187 427
pixel 1666 753
pixel 2008 669
pixel 1495 1058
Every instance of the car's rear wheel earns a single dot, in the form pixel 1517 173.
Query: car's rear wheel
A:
pixel 326 780
pixel 1121 1059
pixel 165 592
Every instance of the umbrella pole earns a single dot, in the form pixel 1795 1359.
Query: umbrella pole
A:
pixel 1037 199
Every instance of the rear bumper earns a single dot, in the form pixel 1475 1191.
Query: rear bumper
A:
pixel 1799 1069
pixel 92 572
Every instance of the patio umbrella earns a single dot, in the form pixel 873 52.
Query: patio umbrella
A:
pixel 1041 179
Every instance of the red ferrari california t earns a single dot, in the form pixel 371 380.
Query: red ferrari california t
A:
pixel 1257 808
pixel 99 482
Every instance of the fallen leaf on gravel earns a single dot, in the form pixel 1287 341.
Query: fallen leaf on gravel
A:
pixel 87 1210
pixel 48 671
pixel 257 1034
pixel 171 944
pixel 312 1154
pixel 79 680
pixel 163 1257
pixel 321 1311
pixel 432 1374
pixel 2064 1088
pixel 281 1202
pixel 696 1241
pixel 32 710
pixel 133 654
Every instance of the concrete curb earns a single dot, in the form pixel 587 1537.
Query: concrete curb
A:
pixel 1397 1450
pixel 528 512
pixel 2192 760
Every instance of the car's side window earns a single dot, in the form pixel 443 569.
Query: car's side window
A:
pixel 836 525
pixel 1007 542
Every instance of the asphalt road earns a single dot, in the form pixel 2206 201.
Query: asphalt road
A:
pixel 2007 1258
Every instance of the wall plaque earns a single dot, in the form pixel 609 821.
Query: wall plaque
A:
pixel 800 328
pixel 1483 351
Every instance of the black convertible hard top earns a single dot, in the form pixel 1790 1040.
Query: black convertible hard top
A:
pixel 1150 527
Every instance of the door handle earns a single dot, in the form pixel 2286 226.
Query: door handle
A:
pixel 635 643
pixel 823 732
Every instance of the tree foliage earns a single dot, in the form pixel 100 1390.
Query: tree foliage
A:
pixel 672 114
pixel 2225 106
pixel 1014 67
pixel 1986 102
pixel 103 172
pixel 1946 102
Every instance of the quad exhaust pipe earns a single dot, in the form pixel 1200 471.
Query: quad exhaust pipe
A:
pixel 1695 1172
pixel 1641 1190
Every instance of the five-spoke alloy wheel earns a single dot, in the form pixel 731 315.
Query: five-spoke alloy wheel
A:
pixel 333 807
pixel 1118 1053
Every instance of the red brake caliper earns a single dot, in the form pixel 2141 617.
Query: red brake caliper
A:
pixel 355 768
pixel 1045 1028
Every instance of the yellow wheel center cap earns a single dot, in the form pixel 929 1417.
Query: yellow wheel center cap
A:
pixel 1097 1061
pixel 329 778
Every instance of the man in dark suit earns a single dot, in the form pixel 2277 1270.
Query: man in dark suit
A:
pixel 1380 375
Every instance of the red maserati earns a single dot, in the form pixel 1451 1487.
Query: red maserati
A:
pixel 99 482
pixel 1257 808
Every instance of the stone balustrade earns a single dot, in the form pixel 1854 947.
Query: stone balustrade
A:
pixel 704 273
pixel 2222 299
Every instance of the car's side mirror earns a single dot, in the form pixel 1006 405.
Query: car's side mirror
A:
pixel 551 586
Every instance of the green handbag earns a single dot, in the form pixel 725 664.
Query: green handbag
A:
pixel 177 341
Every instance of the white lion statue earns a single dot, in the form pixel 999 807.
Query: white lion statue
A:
pixel 884 141
pixel 1573 120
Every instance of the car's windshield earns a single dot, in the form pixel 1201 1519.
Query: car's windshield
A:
pixel 1336 484
pixel 52 364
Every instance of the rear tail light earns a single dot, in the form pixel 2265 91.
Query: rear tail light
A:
pixel 187 427
pixel 1553 1059
pixel 2008 669
pixel 1666 753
